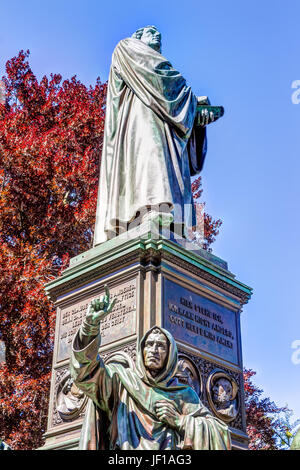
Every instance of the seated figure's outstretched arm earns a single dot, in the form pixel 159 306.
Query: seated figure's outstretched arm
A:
pixel 86 366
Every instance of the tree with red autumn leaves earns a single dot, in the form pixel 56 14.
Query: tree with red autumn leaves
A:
pixel 207 228
pixel 50 142
pixel 268 426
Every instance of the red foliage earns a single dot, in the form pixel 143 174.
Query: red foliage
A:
pixel 50 142
pixel 208 227
pixel 264 426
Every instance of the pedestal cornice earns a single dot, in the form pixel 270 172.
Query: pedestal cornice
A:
pixel 147 249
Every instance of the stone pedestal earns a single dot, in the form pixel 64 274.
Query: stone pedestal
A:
pixel 157 281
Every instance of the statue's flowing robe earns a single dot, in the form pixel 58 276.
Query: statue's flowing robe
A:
pixel 121 411
pixel 151 144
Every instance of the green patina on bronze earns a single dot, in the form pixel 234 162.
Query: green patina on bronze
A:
pixel 105 254
pixel 154 138
pixel 141 407
pixel 154 141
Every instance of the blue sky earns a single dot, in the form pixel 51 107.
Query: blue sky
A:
pixel 243 55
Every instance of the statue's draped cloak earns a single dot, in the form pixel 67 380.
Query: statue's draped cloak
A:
pixel 151 146
pixel 121 410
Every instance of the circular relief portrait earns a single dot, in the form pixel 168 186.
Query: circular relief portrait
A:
pixel 70 401
pixel 222 392
pixel 187 374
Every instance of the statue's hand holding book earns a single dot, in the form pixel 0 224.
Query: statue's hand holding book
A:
pixel 206 113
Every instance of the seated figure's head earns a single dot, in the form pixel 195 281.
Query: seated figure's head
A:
pixel 150 36
pixel 155 351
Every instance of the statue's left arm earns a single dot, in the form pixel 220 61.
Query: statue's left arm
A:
pixel 197 143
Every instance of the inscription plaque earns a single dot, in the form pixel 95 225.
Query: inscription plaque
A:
pixel 200 322
pixel 120 323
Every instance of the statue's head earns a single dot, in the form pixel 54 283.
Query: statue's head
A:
pixel 157 357
pixel 155 351
pixel 150 36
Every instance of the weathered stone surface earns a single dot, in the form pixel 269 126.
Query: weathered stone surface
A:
pixel 200 322
pixel 120 323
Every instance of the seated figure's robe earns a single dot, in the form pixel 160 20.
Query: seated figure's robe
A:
pixel 121 411
pixel 151 144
